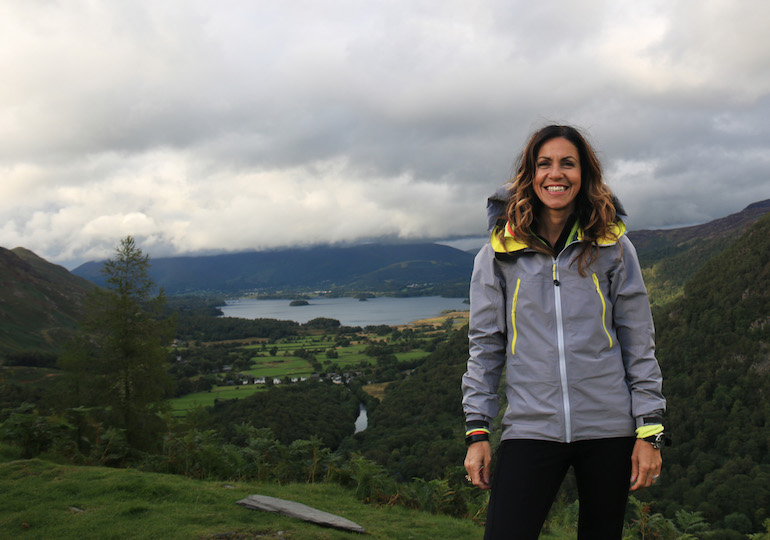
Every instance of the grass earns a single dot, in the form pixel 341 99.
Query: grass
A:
pixel 306 342
pixel 42 500
pixel 280 367
pixel 28 375
pixel 187 403
pixel 376 390
pixel 459 318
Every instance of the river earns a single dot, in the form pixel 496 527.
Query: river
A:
pixel 362 422
pixel 349 311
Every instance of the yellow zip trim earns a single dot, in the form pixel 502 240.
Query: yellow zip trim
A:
pixel 513 316
pixel 604 307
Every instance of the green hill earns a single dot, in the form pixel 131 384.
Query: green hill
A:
pixel 714 349
pixel 39 499
pixel 670 257
pixel 40 303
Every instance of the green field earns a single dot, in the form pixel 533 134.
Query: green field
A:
pixel 280 367
pixel 306 342
pixel 182 405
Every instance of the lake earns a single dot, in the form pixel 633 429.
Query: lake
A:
pixel 349 311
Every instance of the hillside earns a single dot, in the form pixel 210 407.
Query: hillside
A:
pixel 714 349
pixel 383 268
pixel 40 303
pixel 39 499
pixel 670 257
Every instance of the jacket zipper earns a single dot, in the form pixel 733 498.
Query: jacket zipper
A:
pixel 604 308
pixel 513 316
pixel 562 355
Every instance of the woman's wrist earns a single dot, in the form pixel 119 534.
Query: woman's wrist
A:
pixel 476 431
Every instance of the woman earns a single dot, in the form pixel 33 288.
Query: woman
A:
pixel 557 299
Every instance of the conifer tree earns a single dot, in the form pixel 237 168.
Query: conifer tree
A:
pixel 119 361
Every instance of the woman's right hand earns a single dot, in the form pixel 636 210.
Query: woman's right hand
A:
pixel 477 462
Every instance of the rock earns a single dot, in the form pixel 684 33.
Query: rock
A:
pixel 299 511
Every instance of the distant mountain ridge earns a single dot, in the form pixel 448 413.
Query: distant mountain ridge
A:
pixel 652 242
pixel 380 267
pixel 670 257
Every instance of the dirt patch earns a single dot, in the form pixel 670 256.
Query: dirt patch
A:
pixel 459 317
pixel 376 390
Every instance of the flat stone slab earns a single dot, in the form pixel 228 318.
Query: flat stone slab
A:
pixel 299 511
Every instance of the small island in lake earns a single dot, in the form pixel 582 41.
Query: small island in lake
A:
pixel 299 303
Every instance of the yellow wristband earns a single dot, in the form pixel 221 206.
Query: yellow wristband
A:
pixel 648 431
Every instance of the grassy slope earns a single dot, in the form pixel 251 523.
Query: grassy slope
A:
pixel 40 303
pixel 669 258
pixel 39 499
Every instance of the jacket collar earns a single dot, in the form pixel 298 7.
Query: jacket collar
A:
pixel 510 244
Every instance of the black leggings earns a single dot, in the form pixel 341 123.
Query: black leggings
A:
pixel 527 477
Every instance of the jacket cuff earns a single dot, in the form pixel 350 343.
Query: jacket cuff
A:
pixel 653 418
pixel 476 424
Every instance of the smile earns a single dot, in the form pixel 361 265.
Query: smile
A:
pixel 556 189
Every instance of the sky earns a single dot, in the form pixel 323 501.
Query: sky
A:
pixel 203 127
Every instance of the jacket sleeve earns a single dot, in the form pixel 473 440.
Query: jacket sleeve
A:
pixel 636 335
pixel 486 338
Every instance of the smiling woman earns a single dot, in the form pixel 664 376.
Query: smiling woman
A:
pixel 557 299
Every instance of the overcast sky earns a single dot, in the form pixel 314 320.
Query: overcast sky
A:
pixel 201 126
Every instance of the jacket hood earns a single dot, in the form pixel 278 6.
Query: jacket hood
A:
pixel 497 202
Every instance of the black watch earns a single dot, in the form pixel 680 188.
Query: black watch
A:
pixel 658 441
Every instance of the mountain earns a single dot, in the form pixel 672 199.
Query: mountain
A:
pixel 40 303
pixel 383 268
pixel 656 244
pixel 670 257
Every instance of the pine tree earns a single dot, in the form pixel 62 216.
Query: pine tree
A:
pixel 119 361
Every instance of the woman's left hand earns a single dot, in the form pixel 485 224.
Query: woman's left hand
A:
pixel 645 465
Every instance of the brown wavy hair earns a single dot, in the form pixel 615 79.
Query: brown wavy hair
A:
pixel 594 203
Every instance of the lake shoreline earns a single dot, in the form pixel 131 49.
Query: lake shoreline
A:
pixel 349 311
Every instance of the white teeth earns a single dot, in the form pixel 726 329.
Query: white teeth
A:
pixel 556 188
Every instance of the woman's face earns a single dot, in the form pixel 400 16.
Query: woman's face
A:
pixel 557 174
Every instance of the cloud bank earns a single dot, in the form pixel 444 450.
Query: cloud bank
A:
pixel 201 126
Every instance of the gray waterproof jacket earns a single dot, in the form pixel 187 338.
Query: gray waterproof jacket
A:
pixel 578 351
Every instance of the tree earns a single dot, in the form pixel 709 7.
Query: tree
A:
pixel 119 360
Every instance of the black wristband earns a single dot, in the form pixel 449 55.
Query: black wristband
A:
pixel 470 439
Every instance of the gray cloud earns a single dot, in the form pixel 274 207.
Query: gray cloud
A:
pixel 201 126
